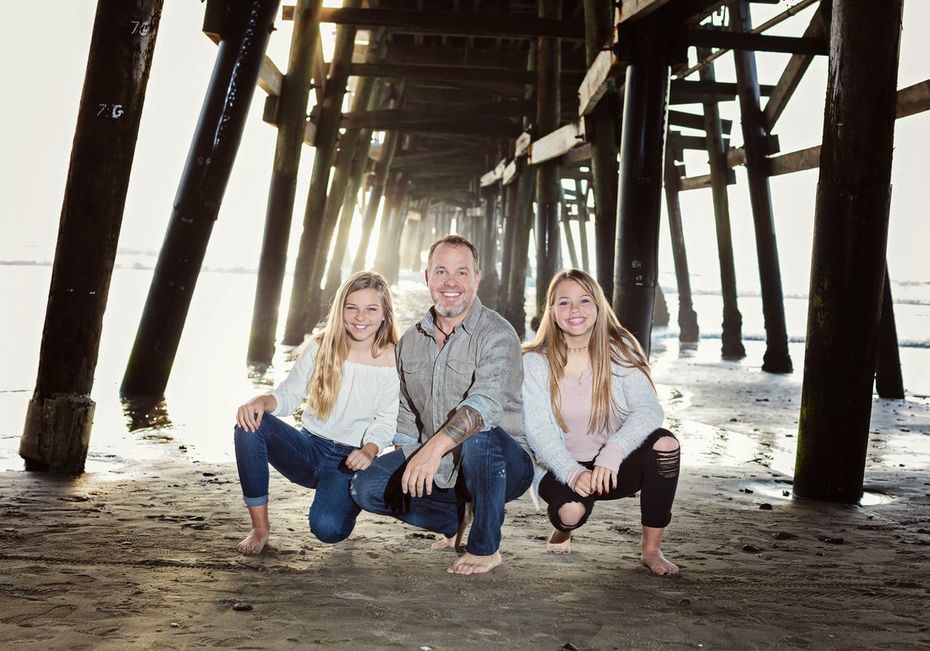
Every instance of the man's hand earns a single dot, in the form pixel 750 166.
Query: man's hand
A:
pixel 249 415
pixel 418 476
pixel 603 479
pixel 582 484
pixel 361 458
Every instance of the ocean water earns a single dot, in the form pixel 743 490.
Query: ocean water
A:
pixel 210 377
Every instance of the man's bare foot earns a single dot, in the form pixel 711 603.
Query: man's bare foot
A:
pixel 657 562
pixel 254 543
pixel 454 542
pixel 444 542
pixel 560 542
pixel 471 564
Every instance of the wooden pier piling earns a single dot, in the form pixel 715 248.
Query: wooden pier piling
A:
pixel 200 194
pixel 59 417
pixel 850 233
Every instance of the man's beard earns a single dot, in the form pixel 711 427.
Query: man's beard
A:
pixel 450 313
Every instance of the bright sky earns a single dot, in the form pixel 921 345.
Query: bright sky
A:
pixel 48 43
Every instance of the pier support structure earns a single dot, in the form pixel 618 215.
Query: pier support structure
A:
pixel 850 233
pixel 604 123
pixel 291 120
pixel 731 336
pixel 641 170
pixel 60 415
pixel 756 145
pixel 548 184
pixel 200 194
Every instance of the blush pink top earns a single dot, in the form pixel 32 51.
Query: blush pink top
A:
pixel 576 402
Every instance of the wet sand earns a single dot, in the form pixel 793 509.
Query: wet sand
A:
pixel 144 554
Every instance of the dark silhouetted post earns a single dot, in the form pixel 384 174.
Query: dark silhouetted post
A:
pixel 303 311
pixel 888 380
pixel 756 146
pixel 200 194
pixel 291 119
pixel 641 171
pixel 687 319
pixel 848 272
pixel 604 125
pixel 488 289
pixel 581 200
pixel 548 102
pixel 732 329
pixel 60 415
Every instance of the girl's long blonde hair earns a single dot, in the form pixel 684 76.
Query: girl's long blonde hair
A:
pixel 610 343
pixel 323 387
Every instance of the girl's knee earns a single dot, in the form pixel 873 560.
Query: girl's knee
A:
pixel 666 443
pixel 571 514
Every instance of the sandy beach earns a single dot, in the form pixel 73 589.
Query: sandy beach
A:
pixel 143 554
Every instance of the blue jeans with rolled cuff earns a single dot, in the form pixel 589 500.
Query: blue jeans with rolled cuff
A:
pixel 494 470
pixel 303 458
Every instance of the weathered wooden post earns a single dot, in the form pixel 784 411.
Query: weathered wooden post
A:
pixel 731 337
pixel 291 120
pixel 519 260
pixel 640 191
pixel 200 194
pixel 567 229
pixel 303 311
pixel 604 123
pixel 391 222
pixel 756 145
pixel 488 290
pixel 350 202
pixel 688 330
pixel 888 380
pixel 56 434
pixel 388 147
pixel 848 263
pixel 583 213
pixel 548 109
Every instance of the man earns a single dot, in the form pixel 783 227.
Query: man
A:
pixel 460 401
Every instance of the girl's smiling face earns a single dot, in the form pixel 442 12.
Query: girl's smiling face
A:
pixel 575 310
pixel 362 314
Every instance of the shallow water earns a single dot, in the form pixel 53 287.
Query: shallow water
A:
pixel 210 378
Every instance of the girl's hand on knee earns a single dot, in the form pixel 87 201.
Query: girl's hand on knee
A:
pixel 360 459
pixel 603 479
pixel 249 415
pixel 583 485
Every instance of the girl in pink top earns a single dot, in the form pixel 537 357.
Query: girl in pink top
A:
pixel 593 418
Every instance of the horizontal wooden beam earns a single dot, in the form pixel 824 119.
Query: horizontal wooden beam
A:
pixel 452 24
pixel 596 81
pixel 399 118
pixel 557 143
pixel 914 99
pixel 442 73
pixel 760 42
pixel 683 91
pixel 694 121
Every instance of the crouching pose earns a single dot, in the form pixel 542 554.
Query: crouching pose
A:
pixel 347 382
pixel 460 408
pixel 593 419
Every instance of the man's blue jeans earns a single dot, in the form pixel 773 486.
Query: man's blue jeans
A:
pixel 494 470
pixel 305 459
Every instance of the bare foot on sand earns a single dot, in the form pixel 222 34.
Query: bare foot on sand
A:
pixel 471 564
pixel 657 562
pixel 560 542
pixel 254 543
pixel 444 543
pixel 454 542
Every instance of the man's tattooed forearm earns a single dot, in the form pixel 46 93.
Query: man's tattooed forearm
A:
pixel 464 424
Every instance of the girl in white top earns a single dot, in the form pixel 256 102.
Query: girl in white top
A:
pixel 345 380
pixel 593 419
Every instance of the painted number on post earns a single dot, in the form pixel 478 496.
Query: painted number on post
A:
pixel 112 111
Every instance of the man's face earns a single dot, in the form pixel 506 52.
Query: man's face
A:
pixel 452 280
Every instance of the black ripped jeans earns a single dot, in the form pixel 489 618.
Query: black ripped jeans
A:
pixel 650 472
